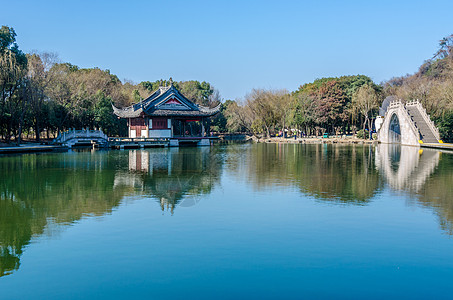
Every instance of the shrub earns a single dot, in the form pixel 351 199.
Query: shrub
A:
pixel 360 134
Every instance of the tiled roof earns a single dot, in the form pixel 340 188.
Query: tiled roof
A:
pixel 206 112
pixel 150 106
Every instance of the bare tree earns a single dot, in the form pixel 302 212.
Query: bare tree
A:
pixel 12 102
pixel 38 77
pixel 238 117
pixel 267 108
pixel 364 101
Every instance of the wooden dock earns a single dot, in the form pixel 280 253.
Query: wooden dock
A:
pixel 114 143
pixel 135 143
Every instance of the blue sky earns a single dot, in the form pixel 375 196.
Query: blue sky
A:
pixel 235 45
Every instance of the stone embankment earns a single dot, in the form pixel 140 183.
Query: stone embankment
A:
pixel 314 140
pixel 30 148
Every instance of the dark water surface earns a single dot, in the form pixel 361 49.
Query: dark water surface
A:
pixel 262 221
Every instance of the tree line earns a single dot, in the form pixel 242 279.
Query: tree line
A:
pixel 328 105
pixel 432 85
pixel 41 96
pixel 346 104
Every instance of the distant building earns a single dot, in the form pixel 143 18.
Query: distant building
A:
pixel 166 114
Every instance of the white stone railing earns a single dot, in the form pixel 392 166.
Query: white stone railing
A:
pixel 425 116
pixel 397 104
pixel 411 122
pixel 75 134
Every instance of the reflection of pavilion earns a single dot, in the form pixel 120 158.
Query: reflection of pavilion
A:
pixel 138 160
pixel 175 176
pixel 405 167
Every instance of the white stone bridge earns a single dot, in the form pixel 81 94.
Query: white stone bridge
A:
pixel 73 138
pixel 407 124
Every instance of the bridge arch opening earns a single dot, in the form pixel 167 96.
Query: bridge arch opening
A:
pixel 394 129
pixel 394 153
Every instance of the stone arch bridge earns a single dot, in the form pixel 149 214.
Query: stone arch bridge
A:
pixel 73 138
pixel 407 124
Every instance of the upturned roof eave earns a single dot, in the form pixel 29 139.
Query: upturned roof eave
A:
pixel 202 112
pixel 148 106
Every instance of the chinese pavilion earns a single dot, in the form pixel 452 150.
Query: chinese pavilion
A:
pixel 166 113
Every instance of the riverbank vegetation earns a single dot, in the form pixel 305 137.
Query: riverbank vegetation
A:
pixel 332 105
pixel 347 104
pixel 432 85
pixel 41 96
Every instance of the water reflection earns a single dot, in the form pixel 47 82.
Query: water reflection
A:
pixel 334 173
pixel 175 176
pixel 404 167
pixel 39 193
pixel 425 174
pixel 349 174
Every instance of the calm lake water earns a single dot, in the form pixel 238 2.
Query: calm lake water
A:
pixel 262 221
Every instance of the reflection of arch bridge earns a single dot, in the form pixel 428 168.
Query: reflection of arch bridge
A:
pixel 406 168
pixel 407 124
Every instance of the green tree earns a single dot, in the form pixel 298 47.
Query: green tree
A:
pixel 301 111
pixel 329 105
pixel 219 122
pixel 104 117
pixel 13 67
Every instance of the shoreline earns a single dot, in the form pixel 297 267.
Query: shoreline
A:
pixel 314 140
pixel 32 148
pixel 35 147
